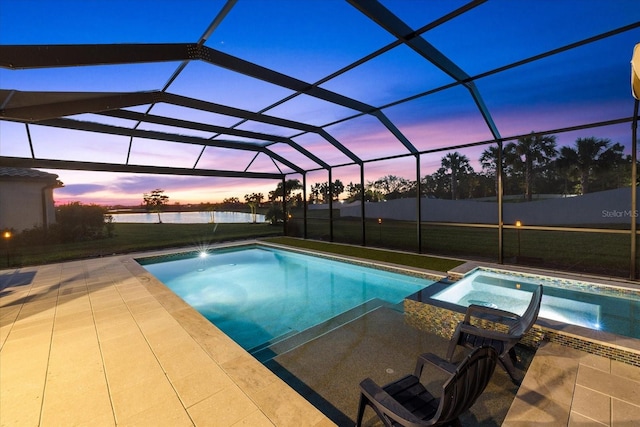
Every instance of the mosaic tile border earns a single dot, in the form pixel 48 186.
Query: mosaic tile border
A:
pixel 362 263
pixel 183 254
pixel 442 322
pixel 584 286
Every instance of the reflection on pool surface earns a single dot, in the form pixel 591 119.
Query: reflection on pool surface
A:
pixel 578 303
pixel 256 294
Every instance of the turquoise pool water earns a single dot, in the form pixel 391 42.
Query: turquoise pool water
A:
pixel 257 294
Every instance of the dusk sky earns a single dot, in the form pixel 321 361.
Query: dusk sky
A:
pixel 309 40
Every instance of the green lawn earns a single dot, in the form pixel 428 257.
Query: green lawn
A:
pixel 402 258
pixel 130 237
pixel 597 253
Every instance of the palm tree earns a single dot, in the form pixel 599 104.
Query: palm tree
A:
pixel 336 189
pixel 589 156
pixel 289 186
pixel 531 153
pixel 316 191
pixel 456 166
pixel 253 200
pixel 489 163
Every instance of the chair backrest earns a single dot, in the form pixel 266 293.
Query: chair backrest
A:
pixel 468 382
pixel 530 315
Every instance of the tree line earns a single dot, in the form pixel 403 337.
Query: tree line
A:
pixel 532 165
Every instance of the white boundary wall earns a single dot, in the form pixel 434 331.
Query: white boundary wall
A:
pixel 605 207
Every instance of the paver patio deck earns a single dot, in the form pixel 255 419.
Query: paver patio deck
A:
pixel 102 342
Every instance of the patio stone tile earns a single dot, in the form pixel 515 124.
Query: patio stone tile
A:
pixel 34 324
pixel 578 420
pixel 199 385
pixel 624 414
pixel 128 351
pixel 625 370
pixel 73 304
pixel 40 309
pixel 120 318
pixel 161 415
pixel 154 320
pixel 185 359
pixel 255 419
pixel 213 340
pixel 131 288
pixel 171 340
pixel 22 380
pixel 13 296
pixel 70 322
pixel 41 294
pixel 99 304
pixel 225 408
pixel 546 393
pixel 325 422
pixel 4 334
pixel 74 352
pixel 21 405
pixel 77 399
pixel 142 305
pixel 591 404
pixel 596 362
pixel 617 387
pixel 249 374
pixel 107 316
pixel 71 291
pixel 152 392
pixel 123 373
pixel 30 339
pixel 285 407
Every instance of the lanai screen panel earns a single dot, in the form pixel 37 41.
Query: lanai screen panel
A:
pixel 348 81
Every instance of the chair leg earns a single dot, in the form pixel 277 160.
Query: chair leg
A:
pixel 453 344
pixel 361 408
pixel 507 364
pixel 513 355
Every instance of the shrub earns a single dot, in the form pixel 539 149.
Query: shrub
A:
pixel 78 222
pixel 274 215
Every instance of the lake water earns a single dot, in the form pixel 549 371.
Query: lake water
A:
pixel 187 217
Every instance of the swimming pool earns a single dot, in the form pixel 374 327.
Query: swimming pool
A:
pixel 257 294
pixel 584 304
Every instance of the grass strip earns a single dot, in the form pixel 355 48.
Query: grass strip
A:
pixel 400 258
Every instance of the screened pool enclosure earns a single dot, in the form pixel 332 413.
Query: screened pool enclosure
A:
pixel 480 129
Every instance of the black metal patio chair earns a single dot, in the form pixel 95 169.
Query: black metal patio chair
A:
pixel 472 336
pixel 406 402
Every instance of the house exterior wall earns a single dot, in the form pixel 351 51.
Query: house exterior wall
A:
pixel 26 203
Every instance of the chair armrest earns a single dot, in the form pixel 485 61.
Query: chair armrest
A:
pixel 488 333
pixel 484 312
pixel 434 360
pixel 385 404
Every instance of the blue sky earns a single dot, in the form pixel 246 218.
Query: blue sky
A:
pixel 309 40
